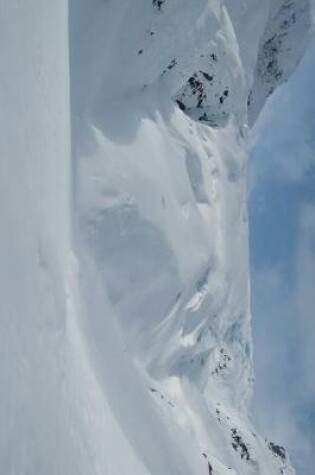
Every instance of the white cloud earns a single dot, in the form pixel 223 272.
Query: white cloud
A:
pixel 270 278
pixel 285 348
pixel 305 297
pixel 283 152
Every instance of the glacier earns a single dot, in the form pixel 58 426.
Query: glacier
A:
pixel 125 309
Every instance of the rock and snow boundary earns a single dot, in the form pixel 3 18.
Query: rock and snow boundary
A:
pixel 126 343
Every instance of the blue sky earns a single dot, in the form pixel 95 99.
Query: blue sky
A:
pixel 282 241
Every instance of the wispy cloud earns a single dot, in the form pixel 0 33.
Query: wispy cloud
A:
pixel 283 284
pixel 284 330
pixel 305 298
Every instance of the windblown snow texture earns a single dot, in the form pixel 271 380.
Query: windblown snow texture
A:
pixel 126 342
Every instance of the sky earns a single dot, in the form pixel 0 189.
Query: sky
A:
pixel 281 187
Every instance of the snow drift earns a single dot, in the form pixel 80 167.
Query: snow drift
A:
pixel 126 342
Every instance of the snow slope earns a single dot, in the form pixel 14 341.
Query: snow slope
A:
pixel 126 342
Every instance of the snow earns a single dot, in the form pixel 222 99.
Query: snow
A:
pixel 126 340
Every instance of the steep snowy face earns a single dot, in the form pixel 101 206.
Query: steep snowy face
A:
pixel 35 238
pixel 161 94
pixel 159 197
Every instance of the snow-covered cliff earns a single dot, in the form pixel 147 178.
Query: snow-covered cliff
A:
pixel 126 342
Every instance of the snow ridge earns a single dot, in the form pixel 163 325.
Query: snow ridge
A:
pixel 160 203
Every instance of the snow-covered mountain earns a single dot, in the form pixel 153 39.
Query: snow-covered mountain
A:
pixel 125 324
